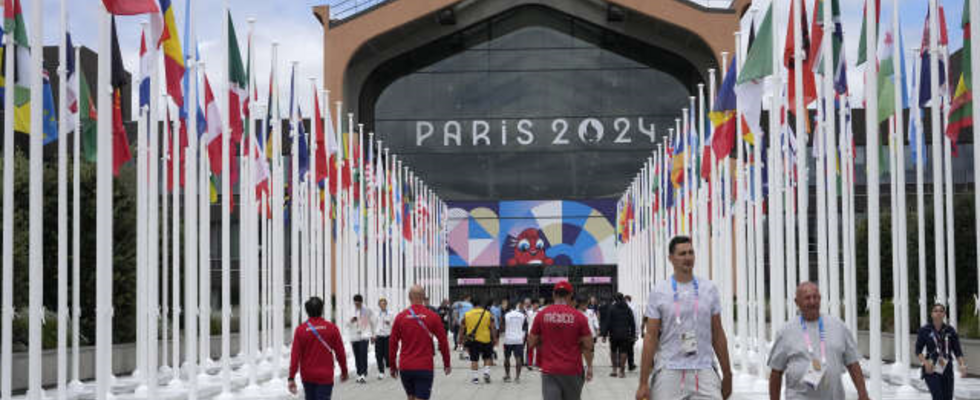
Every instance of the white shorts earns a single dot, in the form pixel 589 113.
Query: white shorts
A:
pixel 687 384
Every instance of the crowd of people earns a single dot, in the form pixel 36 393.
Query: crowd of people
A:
pixel 684 346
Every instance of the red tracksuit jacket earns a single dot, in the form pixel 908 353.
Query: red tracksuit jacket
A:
pixel 416 344
pixel 311 357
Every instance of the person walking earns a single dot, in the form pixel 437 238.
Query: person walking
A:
pixel 593 318
pixel 445 315
pixel 515 334
pixel 316 344
pixel 360 330
pixel 620 329
pixel 532 312
pixel 411 337
pixel 684 335
pixel 480 337
pixel 941 345
pixel 382 322
pixel 637 322
pixel 563 336
pixel 813 352
pixel 460 308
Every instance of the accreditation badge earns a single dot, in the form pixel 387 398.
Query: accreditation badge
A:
pixel 689 343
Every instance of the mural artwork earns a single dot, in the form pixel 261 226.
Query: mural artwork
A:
pixel 509 233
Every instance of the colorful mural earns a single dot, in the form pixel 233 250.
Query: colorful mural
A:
pixel 511 233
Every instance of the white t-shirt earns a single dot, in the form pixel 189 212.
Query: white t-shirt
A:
pixel 514 321
pixel 791 355
pixel 383 321
pixel 660 305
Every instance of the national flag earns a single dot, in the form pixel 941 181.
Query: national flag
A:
pixel 138 7
pixel 318 129
pixel 120 142
pixel 886 76
pixel 723 114
pixel 925 88
pixel 789 61
pixel 303 146
pixel 49 121
pixel 71 75
pixel 173 55
pixel 3 84
pixel 961 109
pixel 146 74
pixel 750 85
pixel 88 118
pixel 238 83
pixel 677 172
pixel 863 43
pixel 214 132
pixel 16 29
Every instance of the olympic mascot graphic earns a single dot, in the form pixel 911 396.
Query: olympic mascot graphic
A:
pixel 529 249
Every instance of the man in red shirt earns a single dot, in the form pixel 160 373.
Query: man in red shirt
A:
pixel 563 338
pixel 413 331
pixel 316 344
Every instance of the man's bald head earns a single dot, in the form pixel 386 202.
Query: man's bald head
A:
pixel 808 300
pixel 416 294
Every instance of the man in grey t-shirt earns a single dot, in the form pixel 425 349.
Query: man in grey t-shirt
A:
pixel 813 352
pixel 684 334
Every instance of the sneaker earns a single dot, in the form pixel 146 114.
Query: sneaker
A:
pixel 613 374
pixel 381 376
pixel 517 380
pixel 361 379
pixel 632 368
pixel 475 381
pixel 486 377
pixel 622 374
pixel 506 378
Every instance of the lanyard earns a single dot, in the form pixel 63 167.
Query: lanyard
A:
pixel 419 320
pixel 677 306
pixel 944 353
pixel 318 337
pixel 823 339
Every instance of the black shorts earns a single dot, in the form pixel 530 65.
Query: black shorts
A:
pixel 480 350
pixel 516 349
pixel 417 384
pixel 620 345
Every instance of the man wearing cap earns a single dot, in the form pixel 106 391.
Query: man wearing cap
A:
pixel 383 321
pixel 412 334
pixel 563 338
pixel 684 334
pixel 812 352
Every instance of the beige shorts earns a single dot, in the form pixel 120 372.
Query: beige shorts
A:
pixel 687 384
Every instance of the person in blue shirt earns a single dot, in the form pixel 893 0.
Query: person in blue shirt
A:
pixel 941 344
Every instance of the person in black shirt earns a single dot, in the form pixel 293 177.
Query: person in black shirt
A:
pixel 620 328
pixel 941 344
pixel 444 314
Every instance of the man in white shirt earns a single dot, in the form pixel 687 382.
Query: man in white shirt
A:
pixel 531 310
pixel 515 333
pixel 684 334
pixel 360 330
pixel 382 323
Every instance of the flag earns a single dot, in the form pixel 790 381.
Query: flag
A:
pixel 120 142
pixel 840 62
pixel 71 98
pixel 863 43
pixel 129 7
pixel 49 120
pixel 750 84
pixel 677 172
pixel 925 88
pixel 723 115
pixel 146 74
pixel 88 118
pixel 961 109
pixel 789 61
pixel 318 129
pixel 303 146
pixel 213 136
pixel 237 93
pixel 173 59
pixel 886 76
pixel 16 29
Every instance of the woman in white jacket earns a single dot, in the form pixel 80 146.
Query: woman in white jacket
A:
pixel 360 330
pixel 382 322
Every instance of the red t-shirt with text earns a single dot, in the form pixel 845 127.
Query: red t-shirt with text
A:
pixel 559 328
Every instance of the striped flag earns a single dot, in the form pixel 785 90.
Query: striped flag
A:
pixel 173 59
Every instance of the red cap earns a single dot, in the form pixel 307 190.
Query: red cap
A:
pixel 564 285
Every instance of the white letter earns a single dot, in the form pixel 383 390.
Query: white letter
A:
pixel 503 132
pixel 524 127
pixel 480 131
pixel 419 136
pixel 454 133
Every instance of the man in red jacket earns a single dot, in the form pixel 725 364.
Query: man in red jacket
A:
pixel 316 344
pixel 413 332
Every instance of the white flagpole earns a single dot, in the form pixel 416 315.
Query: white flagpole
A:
pixel 830 160
pixel 204 251
pixel 937 154
pixel 294 217
pixel 975 70
pixel 63 116
pixel 871 129
pixel 919 189
pixel 103 328
pixel 367 195
pixel 152 306
pixel 6 344
pixel 76 236
pixel 142 209
pixel 225 209
pixel 802 187
pixel 175 246
pixel 36 264
pixel 903 355
pixel 191 250
pixel 277 259
pixel 162 276
pixel 777 266
pixel 953 316
pixel 819 140
pixel 328 235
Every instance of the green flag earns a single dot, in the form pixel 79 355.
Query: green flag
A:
pixel 89 117
pixel 758 63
